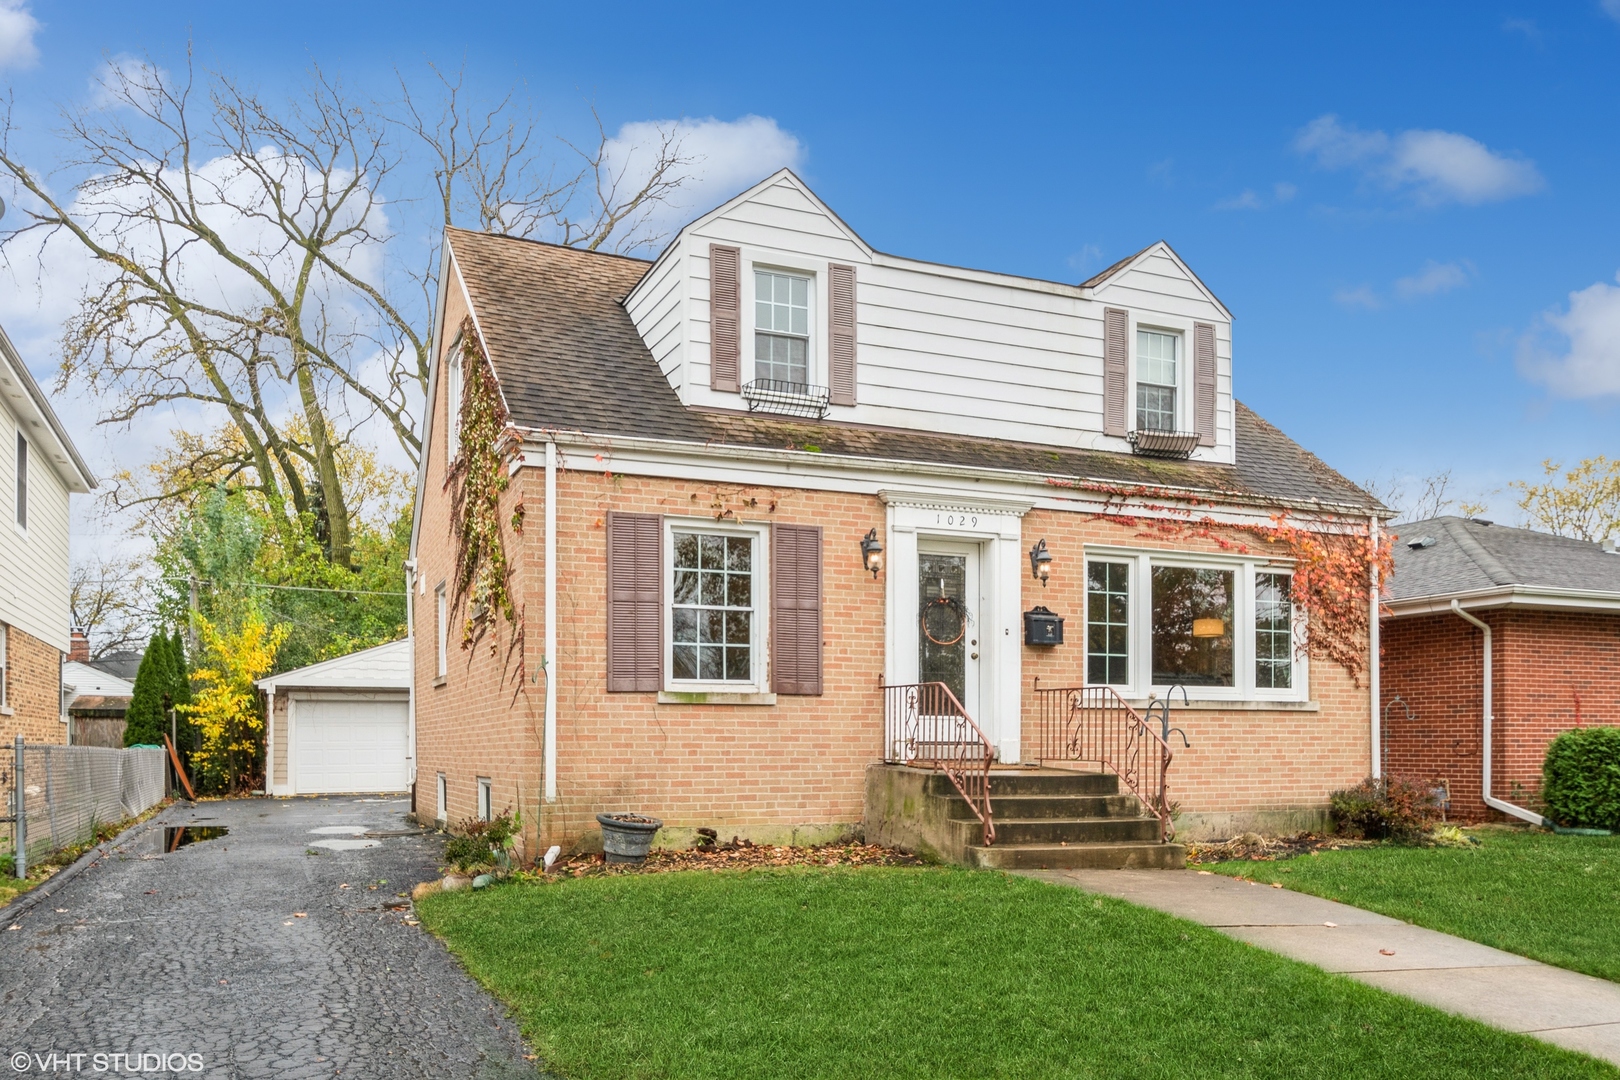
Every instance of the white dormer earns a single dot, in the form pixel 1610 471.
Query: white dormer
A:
pixel 772 288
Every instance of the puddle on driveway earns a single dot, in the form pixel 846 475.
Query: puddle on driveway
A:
pixel 178 836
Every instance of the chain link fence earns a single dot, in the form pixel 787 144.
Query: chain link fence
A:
pixel 68 791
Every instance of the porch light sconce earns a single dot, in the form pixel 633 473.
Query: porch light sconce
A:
pixel 1040 562
pixel 1209 628
pixel 871 553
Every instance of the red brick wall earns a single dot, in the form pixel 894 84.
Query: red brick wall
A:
pixel 1542 660
pixel 33 691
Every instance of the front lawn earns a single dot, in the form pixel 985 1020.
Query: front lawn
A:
pixel 903 972
pixel 1552 898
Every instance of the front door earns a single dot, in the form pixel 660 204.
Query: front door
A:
pixel 949 618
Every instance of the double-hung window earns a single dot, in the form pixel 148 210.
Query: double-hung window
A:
pixel 1220 627
pixel 452 400
pixel 715 606
pixel 1156 380
pixel 441 632
pixel 781 328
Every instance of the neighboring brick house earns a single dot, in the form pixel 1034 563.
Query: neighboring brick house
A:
pixel 704 449
pixel 39 469
pixel 1552 606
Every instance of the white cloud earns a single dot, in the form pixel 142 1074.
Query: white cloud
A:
pixel 1433 166
pixel 1576 352
pixel 17 29
pixel 1089 257
pixel 1246 200
pixel 727 156
pixel 1611 8
pixel 1434 278
pixel 1361 296
pixel 1284 191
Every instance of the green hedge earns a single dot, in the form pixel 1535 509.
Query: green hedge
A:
pixel 1580 780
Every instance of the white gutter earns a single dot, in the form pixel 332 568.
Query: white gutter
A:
pixel 551 624
pixel 1373 648
pixel 410 708
pixel 1530 596
pixel 1490 800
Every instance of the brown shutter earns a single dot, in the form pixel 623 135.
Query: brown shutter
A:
pixel 635 621
pixel 795 609
pixel 1204 383
pixel 725 318
pixel 1116 369
pixel 841 334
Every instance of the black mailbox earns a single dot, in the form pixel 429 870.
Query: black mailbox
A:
pixel 1041 627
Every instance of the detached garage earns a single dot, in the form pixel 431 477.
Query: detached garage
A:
pixel 342 726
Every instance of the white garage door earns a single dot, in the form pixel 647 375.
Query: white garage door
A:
pixel 341 745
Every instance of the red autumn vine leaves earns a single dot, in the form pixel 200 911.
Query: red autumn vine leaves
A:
pixel 1332 562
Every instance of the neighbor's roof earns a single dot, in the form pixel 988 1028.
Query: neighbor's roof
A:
pixel 1477 560
pixel 124 664
pixel 381 667
pixel 34 411
pixel 86 681
pixel 569 358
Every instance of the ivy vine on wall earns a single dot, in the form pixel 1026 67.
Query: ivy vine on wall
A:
pixel 478 477
pixel 1333 562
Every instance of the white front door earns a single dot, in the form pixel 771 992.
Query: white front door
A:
pixel 349 745
pixel 950 619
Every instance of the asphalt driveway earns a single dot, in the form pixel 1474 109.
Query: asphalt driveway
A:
pixel 249 953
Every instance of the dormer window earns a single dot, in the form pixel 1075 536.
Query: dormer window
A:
pixel 1156 380
pixel 781 327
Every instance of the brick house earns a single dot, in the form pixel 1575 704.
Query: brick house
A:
pixel 39 470
pixel 1536 613
pixel 708 450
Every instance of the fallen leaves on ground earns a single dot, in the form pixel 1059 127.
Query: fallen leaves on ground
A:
pixel 1252 847
pixel 742 855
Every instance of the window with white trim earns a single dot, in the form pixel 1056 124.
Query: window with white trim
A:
pixel 781 327
pixel 1156 380
pixel 441 631
pixel 486 799
pixel 1220 626
pixel 22 481
pixel 5 666
pixel 443 792
pixel 452 400
pixel 715 587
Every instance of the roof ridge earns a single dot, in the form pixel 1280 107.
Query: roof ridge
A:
pixel 481 235
pixel 1499 574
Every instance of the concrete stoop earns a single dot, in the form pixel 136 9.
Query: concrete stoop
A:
pixel 1044 818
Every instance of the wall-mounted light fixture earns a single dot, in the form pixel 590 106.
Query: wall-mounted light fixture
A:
pixel 1040 562
pixel 871 552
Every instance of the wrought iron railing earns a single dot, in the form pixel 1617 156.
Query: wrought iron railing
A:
pixel 924 724
pixel 1093 724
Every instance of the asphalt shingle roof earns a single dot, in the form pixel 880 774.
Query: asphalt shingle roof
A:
pixel 1471 556
pixel 569 358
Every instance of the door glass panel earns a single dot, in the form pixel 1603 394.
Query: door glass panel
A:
pixel 943 634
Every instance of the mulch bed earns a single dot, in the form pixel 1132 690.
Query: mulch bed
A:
pixel 741 855
pixel 1251 847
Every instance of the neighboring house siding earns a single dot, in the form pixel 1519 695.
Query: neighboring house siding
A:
pixel 1541 660
pixel 33 698
pixel 33 564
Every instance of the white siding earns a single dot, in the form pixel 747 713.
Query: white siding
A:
pixel 939 348
pixel 33 564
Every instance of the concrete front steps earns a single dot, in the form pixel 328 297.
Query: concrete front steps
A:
pixel 1045 819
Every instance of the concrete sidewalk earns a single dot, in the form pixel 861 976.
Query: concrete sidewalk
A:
pixel 1498 988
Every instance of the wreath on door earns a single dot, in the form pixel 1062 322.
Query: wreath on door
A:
pixel 951 620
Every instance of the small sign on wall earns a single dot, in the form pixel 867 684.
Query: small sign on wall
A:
pixel 1042 627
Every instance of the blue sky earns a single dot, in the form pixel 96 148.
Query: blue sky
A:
pixel 1395 200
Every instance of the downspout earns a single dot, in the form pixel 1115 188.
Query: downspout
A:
pixel 551 624
pixel 1485 780
pixel 410 708
pixel 1374 648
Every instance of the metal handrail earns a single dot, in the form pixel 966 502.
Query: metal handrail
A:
pixel 1094 724
pixel 924 723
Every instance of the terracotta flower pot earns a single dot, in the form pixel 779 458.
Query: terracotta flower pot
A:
pixel 626 838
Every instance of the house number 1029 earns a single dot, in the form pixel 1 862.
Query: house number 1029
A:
pixel 968 521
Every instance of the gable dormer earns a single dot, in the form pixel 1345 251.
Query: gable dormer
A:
pixel 772 303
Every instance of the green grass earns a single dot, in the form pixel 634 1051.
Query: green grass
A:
pixel 929 973
pixel 1552 898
